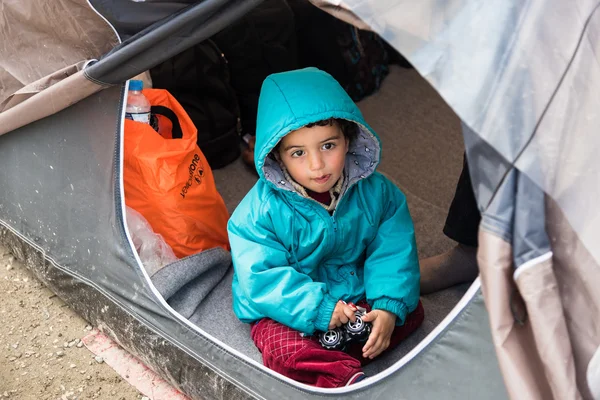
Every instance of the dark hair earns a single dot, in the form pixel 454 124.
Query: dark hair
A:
pixel 349 128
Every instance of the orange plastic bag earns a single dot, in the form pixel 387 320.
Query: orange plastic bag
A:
pixel 168 180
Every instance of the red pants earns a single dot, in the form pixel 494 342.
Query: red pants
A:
pixel 303 359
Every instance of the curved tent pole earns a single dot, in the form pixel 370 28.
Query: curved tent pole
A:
pixel 166 38
pixel 131 17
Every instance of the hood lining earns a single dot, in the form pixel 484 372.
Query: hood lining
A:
pixel 363 156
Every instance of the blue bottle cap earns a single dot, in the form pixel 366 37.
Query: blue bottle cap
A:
pixel 135 84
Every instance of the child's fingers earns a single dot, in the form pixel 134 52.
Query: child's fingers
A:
pixel 370 316
pixel 372 350
pixel 380 345
pixel 371 341
pixel 377 349
pixel 349 314
pixel 343 318
pixel 335 320
pixel 367 354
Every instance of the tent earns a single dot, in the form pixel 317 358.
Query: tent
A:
pixel 522 76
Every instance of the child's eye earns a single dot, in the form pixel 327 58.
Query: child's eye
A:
pixel 298 153
pixel 328 146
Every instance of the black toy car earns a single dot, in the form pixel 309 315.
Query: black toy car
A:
pixel 336 339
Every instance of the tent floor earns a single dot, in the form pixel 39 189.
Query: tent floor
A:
pixel 422 152
pixel 215 316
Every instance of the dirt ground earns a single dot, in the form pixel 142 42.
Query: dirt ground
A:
pixel 41 356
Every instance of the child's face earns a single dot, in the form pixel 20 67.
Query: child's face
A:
pixel 315 156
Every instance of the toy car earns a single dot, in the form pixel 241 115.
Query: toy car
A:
pixel 338 338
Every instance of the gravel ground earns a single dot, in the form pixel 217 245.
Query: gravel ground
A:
pixel 41 356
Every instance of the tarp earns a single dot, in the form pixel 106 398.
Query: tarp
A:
pixel 35 46
pixel 524 78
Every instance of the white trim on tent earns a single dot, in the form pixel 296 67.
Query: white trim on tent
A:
pixel 155 291
pixel 471 292
pixel 593 375
pixel 107 23
pixel 464 301
pixel 467 297
pixel 531 263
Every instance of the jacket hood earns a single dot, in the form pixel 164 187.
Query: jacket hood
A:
pixel 293 99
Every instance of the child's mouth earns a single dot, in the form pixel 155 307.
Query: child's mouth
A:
pixel 322 179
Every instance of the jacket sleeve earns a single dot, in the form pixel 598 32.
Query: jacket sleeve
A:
pixel 392 266
pixel 268 281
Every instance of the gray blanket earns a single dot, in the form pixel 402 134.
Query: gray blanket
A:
pixel 199 288
pixel 186 282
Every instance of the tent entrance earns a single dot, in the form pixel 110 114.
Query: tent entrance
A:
pixel 422 152
pixel 63 175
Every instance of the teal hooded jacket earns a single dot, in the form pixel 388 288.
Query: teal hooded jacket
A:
pixel 293 261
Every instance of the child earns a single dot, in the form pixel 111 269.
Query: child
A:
pixel 320 230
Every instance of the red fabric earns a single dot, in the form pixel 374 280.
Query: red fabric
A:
pixel 323 198
pixel 303 359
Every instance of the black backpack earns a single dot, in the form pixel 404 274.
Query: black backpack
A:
pixel 366 60
pixel 199 79
pixel 357 59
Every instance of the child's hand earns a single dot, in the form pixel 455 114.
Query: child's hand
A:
pixel 342 313
pixel 384 323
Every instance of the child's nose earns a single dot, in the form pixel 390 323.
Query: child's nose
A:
pixel 316 162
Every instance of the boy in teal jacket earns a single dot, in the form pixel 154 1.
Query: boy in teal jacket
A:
pixel 319 231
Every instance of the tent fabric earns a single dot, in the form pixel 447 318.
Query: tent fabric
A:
pixel 41 84
pixel 593 375
pixel 521 366
pixel 115 64
pixel 46 46
pixel 577 274
pixel 42 37
pixel 561 156
pixel 36 106
pixel 64 201
pixel 523 76
pixel 542 314
pixel 538 288
pixel 338 10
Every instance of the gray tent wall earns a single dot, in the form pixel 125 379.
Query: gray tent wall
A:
pixel 61 210
pixel 62 213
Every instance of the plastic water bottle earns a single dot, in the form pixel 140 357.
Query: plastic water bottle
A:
pixel 138 106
